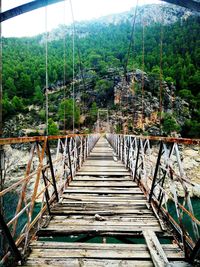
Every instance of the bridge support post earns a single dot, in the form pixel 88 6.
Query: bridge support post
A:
pixel 10 239
pixel 137 160
pixel 52 171
pixel 46 192
pixel 195 255
pixel 69 158
pixel 156 171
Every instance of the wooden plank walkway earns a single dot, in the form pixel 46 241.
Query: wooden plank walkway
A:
pixel 103 204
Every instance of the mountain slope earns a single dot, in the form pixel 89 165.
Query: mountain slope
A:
pixel 103 50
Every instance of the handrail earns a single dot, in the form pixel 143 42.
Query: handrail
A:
pixel 184 141
pixel 22 140
pixel 50 168
pixel 156 165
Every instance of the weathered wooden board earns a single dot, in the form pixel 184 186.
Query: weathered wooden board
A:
pixel 102 184
pixel 108 197
pixel 108 251
pixel 83 262
pixel 102 179
pixel 103 190
pixel 104 173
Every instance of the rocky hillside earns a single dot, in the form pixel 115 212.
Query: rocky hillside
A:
pixel 148 14
pixel 101 63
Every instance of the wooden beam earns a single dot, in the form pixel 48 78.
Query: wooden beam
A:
pixel 156 251
pixel 191 4
pixel 19 10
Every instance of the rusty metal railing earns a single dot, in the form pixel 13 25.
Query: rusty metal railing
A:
pixel 50 164
pixel 157 164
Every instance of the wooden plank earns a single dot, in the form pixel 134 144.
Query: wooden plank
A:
pixel 93 190
pixel 81 262
pixel 103 169
pixel 99 253
pixel 102 184
pixel 97 206
pixel 172 248
pixel 100 179
pixel 97 197
pixel 130 218
pixel 105 173
pixel 57 222
pixel 104 202
pixel 63 211
pixel 104 163
pixel 99 163
pixel 157 253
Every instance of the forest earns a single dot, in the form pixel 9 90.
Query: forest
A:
pixel 99 49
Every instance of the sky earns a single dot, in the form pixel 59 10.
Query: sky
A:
pixel 33 23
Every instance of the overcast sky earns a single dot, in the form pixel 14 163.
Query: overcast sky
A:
pixel 33 23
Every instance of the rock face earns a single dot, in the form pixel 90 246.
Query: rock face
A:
pixel 141 111
pixel 150 14
pixel 153 13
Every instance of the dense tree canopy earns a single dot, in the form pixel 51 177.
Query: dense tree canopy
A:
pixel 102 47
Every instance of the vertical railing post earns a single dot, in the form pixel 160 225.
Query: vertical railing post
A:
pixel 128 151
pixel 87 146
pixel 52 171
pixel 121 147
pixel 118 146
pixel 10 239
pixel 156 171
pixel 46 192
pixel 195 255
pixel 137 159
pixel 81 152
pixel 69 158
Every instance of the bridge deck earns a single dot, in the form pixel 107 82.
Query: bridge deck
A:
pixel 102 219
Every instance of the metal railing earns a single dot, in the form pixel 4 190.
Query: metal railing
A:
pixel 51 165
pixel 156 164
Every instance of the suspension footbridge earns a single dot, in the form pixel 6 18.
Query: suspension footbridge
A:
pixel 102 200
pixel 98 199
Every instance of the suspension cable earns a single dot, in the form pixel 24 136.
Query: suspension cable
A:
pixel 1 88
pixel 143 51
pixel 73 63
pixel 161 72
pixel 64 68
pixel 47 79
pixel 132 40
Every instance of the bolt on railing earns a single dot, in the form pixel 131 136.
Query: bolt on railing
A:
pixel 156 164
pixel 52 164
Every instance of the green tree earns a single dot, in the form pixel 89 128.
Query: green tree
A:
pixel 186 94
pixel 25 86
pixel 65 112
pixel 10 87
pixel 38 97
pixel 17 104
pixel 52 127
pixel 104 89
pixel 169 124
pixel 191 129
pixel 93 112
pixel 7 106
